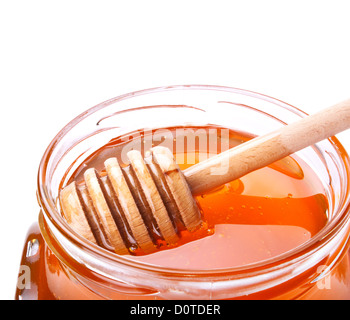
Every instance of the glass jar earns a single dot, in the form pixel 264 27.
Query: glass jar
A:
pixel 57 263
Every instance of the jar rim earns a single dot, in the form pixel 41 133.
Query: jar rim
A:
pixel 51 212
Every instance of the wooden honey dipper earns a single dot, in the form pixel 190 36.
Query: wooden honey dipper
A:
pixel 152 198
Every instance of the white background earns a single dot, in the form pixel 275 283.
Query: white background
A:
pixel 58 58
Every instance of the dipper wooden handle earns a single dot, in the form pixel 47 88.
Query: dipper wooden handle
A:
pixel 151 200
pixel 266 149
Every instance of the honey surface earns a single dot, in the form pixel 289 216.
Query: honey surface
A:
pixel 260 216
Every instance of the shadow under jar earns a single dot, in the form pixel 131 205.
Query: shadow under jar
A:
pixel 281 232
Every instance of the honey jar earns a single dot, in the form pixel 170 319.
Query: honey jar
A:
pixel 280 232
